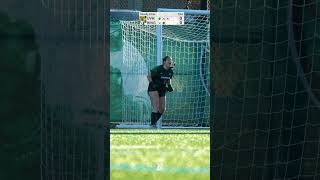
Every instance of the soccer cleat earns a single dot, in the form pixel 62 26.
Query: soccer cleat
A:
pixel 159 124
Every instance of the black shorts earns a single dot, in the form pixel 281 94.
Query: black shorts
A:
pixel 161 90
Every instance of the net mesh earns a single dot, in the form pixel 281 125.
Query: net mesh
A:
pixel 73 89
pixel 188 45
pixel 152 5
pixel 265 90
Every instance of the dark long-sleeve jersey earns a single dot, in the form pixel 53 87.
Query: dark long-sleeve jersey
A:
pixel 160 75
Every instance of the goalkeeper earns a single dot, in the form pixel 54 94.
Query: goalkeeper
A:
pixel 160 83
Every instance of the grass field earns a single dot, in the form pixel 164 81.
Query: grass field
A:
pixel 160 154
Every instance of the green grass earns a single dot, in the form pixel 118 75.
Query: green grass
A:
pixel 160 154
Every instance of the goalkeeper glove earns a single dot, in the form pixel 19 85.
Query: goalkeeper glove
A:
pixel 169 88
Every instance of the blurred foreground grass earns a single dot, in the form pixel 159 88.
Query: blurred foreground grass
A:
pixel 160 154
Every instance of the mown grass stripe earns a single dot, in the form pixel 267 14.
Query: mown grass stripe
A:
pixel 127 147
pixel 159 168
pixel 139 133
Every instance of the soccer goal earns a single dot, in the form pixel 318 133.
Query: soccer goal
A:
pixel 189 46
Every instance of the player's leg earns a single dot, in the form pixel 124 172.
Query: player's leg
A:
pixel 154 97
pixel 162 104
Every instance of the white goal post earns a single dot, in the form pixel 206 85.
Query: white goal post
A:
pixel 144 46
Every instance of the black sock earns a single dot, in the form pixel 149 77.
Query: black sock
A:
pixel 158 116
pixel 154 117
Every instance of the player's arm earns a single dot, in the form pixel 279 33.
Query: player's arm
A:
pixel 169 88
pixel 152 74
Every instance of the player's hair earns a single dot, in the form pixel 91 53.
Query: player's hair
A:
pixel 165 58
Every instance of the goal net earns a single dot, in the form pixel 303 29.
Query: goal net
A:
pixel 188 45
pixel 266 90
